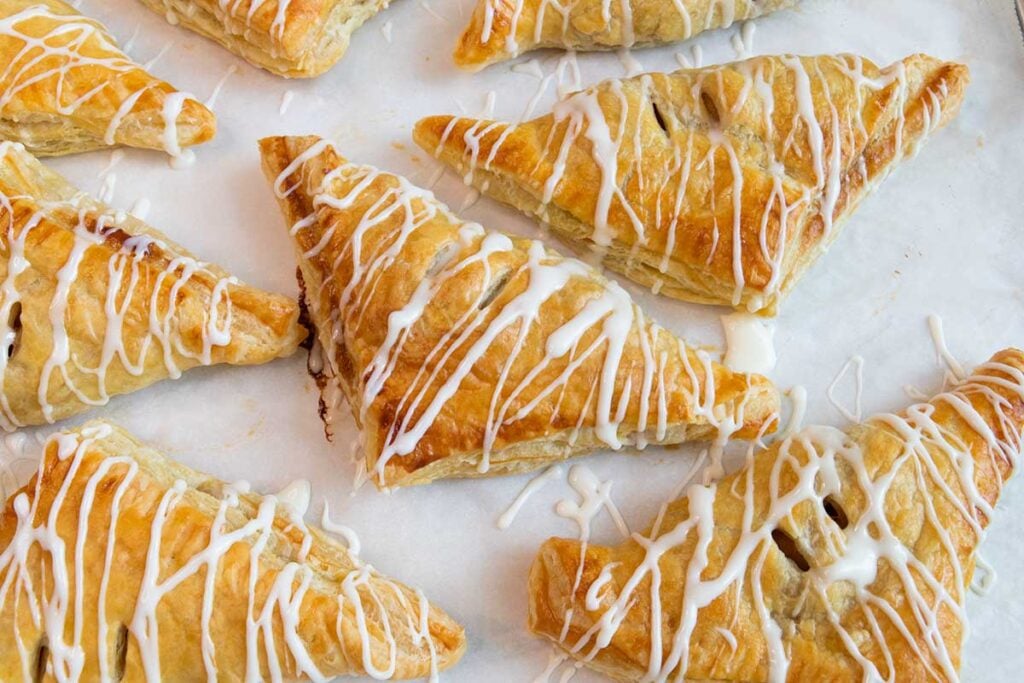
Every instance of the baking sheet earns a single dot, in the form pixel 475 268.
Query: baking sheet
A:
pixel 941 236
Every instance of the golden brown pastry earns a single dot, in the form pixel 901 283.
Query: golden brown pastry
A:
pixel 466 352
pixel 719 185
pixel 66 86
pixel 503 29
pixel 292 38
pixel 830 556
pixel 117 563
pixel 95 303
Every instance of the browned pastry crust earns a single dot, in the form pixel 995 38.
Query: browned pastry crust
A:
pixel 503 29
pixel 421 318
pixel 292 38
pixel 135 560
pixel 66 86
pixel 95 303
pixel 719 185
pixel 829 556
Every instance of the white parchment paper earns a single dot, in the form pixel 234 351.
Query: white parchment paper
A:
pixel 941 236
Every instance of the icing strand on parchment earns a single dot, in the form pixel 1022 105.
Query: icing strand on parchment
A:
pixel 815 457
pixel 701 141
pixel 403 209
pixel 37 546
pixel 61 52
pixel 128 266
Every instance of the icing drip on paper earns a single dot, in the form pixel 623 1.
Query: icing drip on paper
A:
pixel 534 485
pixel 942 353
pixel 286 101
pixel 127 276
pixel 211 101
pixel 857 364
pixel 808 470
pixel 59 55
pixel 708 139
pixel 296 496
pixel 984 576
pixel 272 636
pixel 749 343
pixel 403 210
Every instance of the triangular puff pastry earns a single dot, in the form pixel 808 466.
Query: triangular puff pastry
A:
pixel 292 38
pixel 65 86
pixel 465 352
pixel 718 185
pixel 117 563
pixel 830 556
pixel 503 29
pixel 95 303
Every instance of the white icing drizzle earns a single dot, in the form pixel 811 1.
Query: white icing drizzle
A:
pixel 386 30
pixel 106 191
pixel 630 64
pixel 806 470
pixel 158 56
pixel 116 157
pixel 286 101
pixel 272 638
pixel 340 530
pixel 593 599
pixel 535 484
pixel 129 44
pixel 140 209
pixel 984 576
pixel 594 496
pixel 402 210
pixel 749 343
pixel 432 12
pixel 857 363
pixel 95 232
pixel 798 409
pixel 74 43
pixel 296 496
pixel 211 101
pixel 942 352
pixel 598 122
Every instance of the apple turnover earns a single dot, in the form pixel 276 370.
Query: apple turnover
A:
pixel 292 38
pixel 117 563
pixel 830 556
pixel 503 29
pixel 465 352
pixel 67 87
pixel 718 185
pixel 94 302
